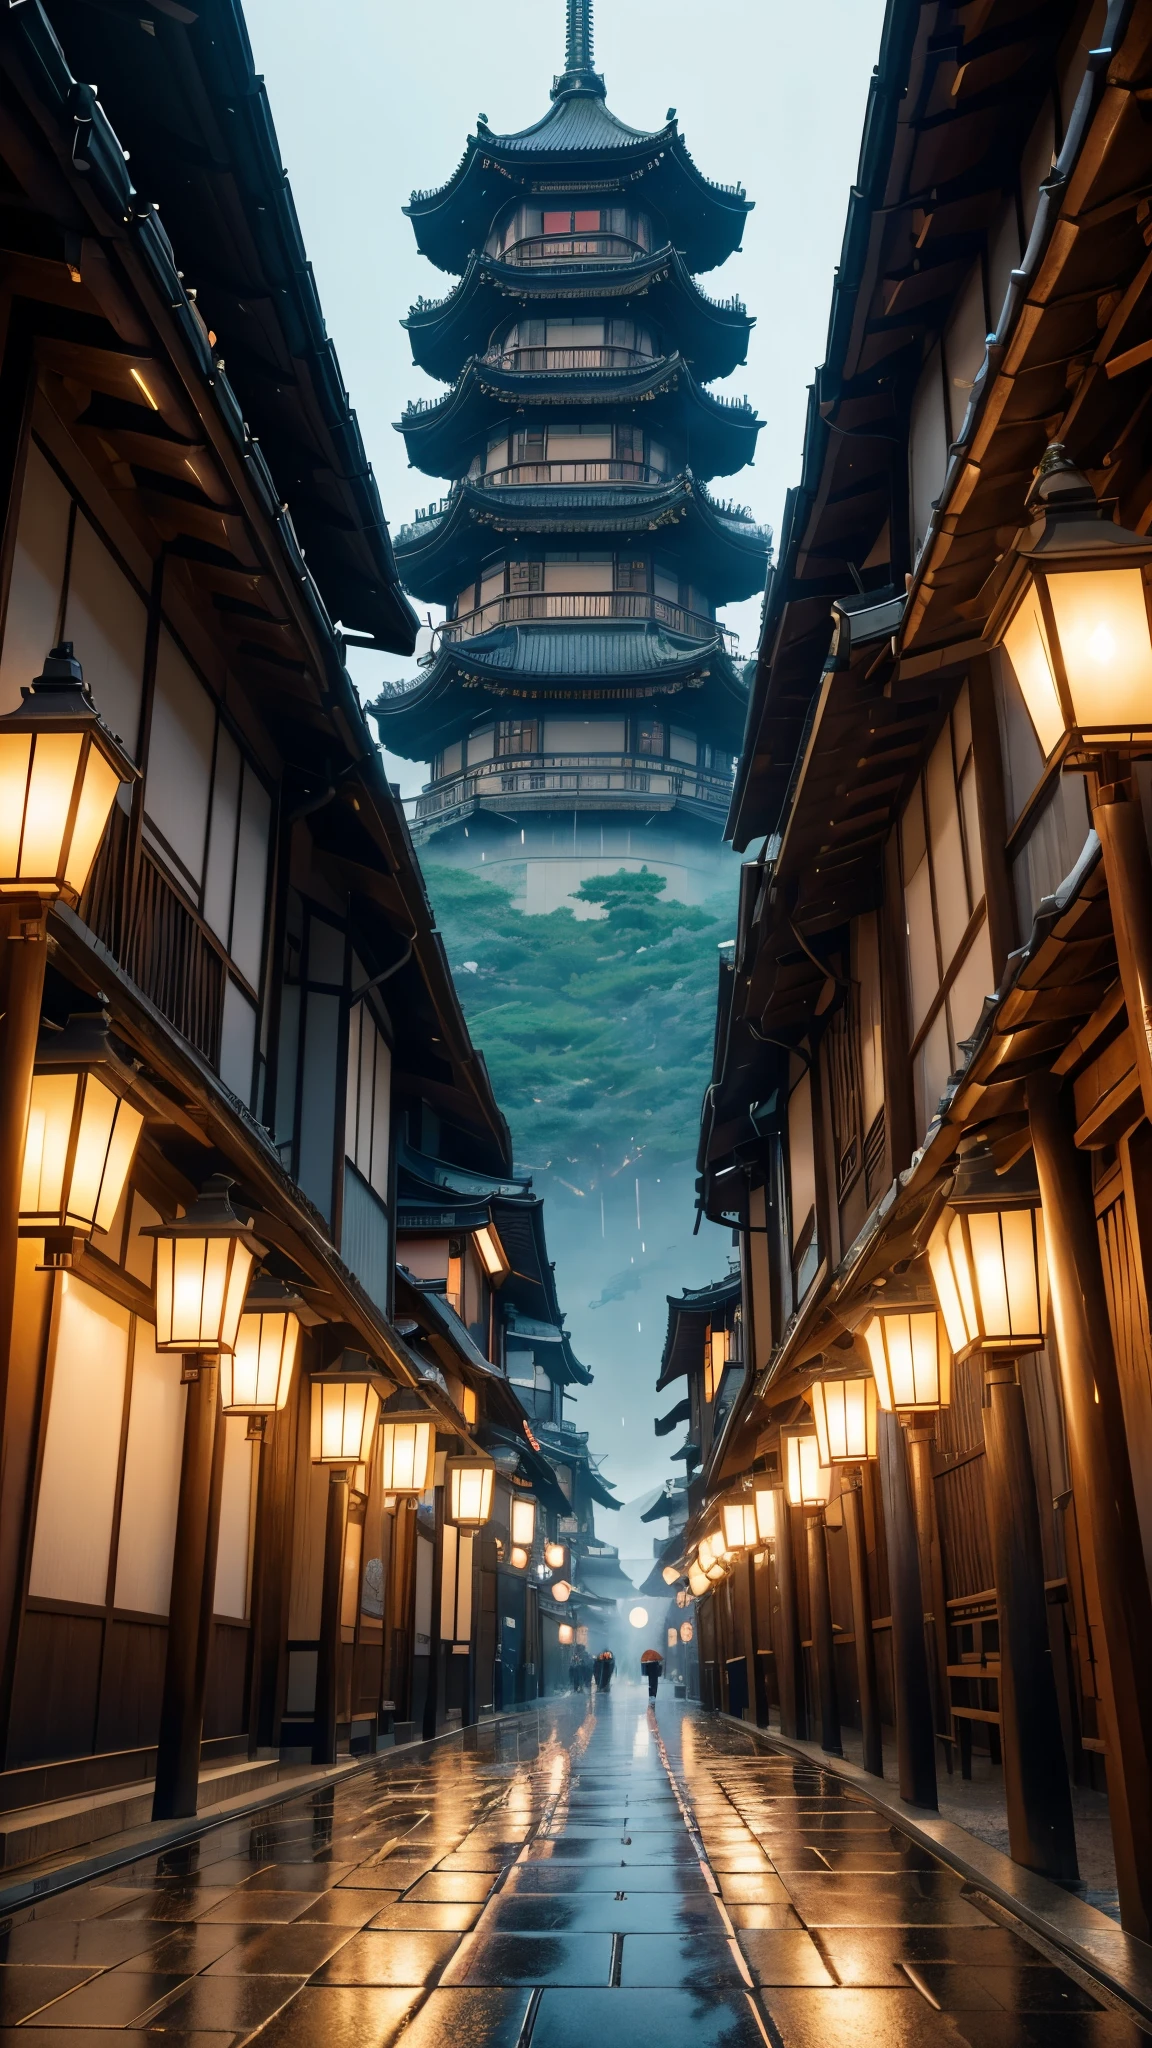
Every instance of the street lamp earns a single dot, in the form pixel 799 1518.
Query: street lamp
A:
pixel 470 1482
pixel 686 1631
pixel 60 769
pixel 565 1632
pixel 1073 620
pixel 561 1591
pixel 765 1499
pixel 554 1555
pixel 203 1265
pixel 345 1411
pixel 911 1361
pixel 844 1412
pixel 739 1522
pixel 697 1580
pixel 986 1257
pixel 256 1376
pixel 408 1460
pixel 204 1262
pixel 519 1558
pixel 83 1130
pixel 523 1530
pixel 807 1482
pixel 670 1574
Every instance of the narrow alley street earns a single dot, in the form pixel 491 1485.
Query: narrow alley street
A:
pixel 591 1872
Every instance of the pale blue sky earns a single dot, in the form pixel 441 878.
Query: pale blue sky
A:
pixel 371 100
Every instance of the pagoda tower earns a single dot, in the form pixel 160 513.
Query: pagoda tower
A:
pixel 581 707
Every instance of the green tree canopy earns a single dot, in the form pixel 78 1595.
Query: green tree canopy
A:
pixel 597 1031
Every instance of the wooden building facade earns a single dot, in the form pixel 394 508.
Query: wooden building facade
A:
pixel 933 976
pixel 257 937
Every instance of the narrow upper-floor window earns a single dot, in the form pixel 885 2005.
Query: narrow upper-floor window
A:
pixel 948 950
pixel 367 1102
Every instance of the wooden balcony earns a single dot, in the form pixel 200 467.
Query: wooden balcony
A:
pixel 157 938
pixel 572 248
pixel 593 357
pixel 581 781
pixel 602 470
pixel 515 608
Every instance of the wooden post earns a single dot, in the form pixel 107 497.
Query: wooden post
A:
pixel 1120 823
pixel 328 1661
pixel 823 1638
pixel 1102 1478
pixel 921 1436
pixel 1041 1835
pixel 435 1645
pixel 789 1656
pixel 862 1630
pixel 272 1575
pixel 190 1605
pixel 915 1744
pixel 758 1693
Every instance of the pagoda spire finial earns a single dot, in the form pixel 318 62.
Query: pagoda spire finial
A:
pixel 578 47
pixel 578 74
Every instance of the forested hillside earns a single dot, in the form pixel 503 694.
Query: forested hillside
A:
pixel 597 1031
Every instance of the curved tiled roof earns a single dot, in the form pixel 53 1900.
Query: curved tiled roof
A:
pixel 441 436
pixel 712 332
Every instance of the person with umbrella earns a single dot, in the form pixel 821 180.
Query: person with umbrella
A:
pixel 651 1664
pixel 603 1668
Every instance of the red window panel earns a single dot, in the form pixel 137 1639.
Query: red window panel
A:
pixel 560 223
pixel 587 223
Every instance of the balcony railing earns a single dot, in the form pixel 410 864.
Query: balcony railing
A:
pixel 516 608
pixel 574 248
pixel 604 470
pixel 156 939
pixel 599 356
pixel 603 779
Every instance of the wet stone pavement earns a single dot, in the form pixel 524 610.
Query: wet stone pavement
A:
pixel 584 1875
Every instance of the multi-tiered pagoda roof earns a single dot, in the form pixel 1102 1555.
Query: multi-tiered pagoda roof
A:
pixel 580 553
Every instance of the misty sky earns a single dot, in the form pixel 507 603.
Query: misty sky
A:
pixel 372 99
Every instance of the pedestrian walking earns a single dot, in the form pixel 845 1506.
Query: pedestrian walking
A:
pixel 651 1664
pixel 576 1673
pixel 602 1669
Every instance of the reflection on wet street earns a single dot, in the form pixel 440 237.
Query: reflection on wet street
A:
pixel 584 1874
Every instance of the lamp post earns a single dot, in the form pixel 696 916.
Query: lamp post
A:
pixel 845 1414
pixel 345 1411
pixel 988 1265
pixel 203 1263
pixel 1073 621
pixel 807 1484
pixel 60 769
